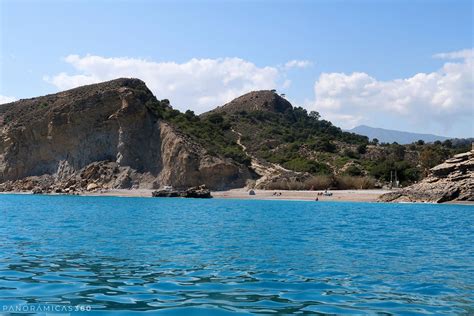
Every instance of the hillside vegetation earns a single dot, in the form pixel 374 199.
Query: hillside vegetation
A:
pixel 272 130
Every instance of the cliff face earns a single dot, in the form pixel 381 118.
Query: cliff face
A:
pixel 452 180
pixel 64 134
pixel 188 164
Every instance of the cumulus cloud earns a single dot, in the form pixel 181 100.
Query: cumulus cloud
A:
pixel 198 84
pixel 298 64
pixel 4 99
pixel 439 98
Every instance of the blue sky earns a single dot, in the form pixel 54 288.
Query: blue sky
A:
pixel 397 64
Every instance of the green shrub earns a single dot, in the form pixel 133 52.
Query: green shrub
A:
pixel 353 170
pixel 305 165
pixel 318 182
pixel 348 182
pixel 324 182
pixel 350 153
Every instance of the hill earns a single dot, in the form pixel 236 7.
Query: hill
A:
pixel 390 136
pixel 263 100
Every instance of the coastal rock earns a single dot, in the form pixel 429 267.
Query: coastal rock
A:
pixel 194 192
pixel 443 169
pixel 91 186
pixel 165 193
pixel 105 134
pixel 453 180
pixel 198 192
pixel 37 191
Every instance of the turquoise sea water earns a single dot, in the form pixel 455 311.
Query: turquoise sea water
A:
pixel 212 257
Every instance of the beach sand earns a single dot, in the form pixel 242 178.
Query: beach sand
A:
pixel 338 195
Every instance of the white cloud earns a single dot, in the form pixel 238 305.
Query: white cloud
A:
pixel 439 98
pixel 298 64
pixel 5 99
pixel 461 54
pixel 198 84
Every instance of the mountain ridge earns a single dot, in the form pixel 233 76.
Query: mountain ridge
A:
pixel 389 136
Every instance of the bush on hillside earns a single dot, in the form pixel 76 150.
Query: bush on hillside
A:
pixel 343 182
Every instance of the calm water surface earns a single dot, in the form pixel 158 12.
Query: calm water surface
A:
pixel 213 257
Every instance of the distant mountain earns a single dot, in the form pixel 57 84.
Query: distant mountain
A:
pixel 390 136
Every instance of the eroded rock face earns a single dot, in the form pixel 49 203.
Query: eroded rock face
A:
pixel 102 134
pixel 186 164
pixel 452 180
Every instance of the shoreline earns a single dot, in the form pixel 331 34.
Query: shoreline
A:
pixel 366 196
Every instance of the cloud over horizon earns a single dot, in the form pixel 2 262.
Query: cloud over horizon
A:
pixel 432 101
pixel 198 84
pixel 440 98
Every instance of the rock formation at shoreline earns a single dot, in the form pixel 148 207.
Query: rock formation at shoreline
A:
pixel 103 136
pixel 200 192
pixel 452 180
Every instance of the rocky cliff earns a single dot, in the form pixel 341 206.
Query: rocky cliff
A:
pixel 452 180
pixel 103 136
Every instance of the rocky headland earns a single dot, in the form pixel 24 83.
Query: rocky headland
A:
pixel 103 136
pixel 453 180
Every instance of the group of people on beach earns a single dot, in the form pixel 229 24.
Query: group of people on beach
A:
pixel 325 193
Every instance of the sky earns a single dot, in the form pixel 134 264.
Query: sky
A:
pixel 397 64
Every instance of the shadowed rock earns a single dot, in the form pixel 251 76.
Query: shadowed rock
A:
pixel 195 192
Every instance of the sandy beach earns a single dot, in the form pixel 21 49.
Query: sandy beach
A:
pixel 337 195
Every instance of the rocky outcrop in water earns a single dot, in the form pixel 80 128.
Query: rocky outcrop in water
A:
pixel 452 180
pixel 102 136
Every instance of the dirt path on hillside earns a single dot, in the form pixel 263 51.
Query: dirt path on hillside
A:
pixel 266 170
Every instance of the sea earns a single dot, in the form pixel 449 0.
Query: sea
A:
pixel 78 255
